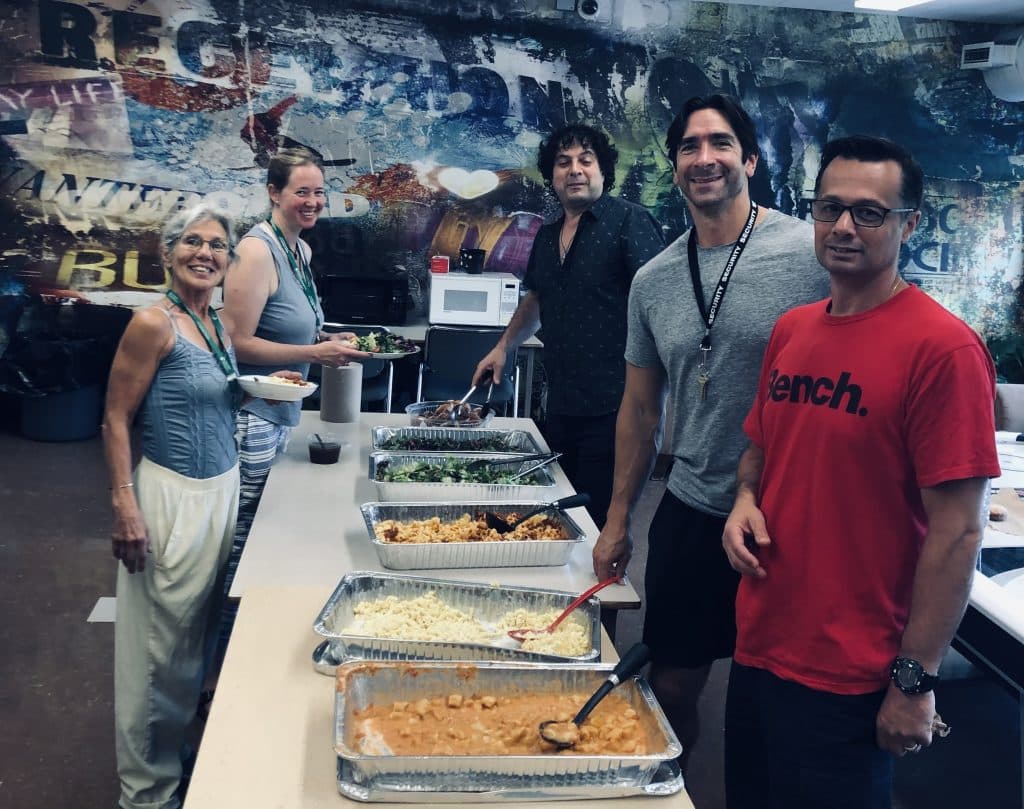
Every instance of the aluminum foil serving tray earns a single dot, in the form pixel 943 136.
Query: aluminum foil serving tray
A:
pixel 458 439
pixel 433 555
pixel 668 780
pixel 486 602
pixel 364 683
pixel 388 490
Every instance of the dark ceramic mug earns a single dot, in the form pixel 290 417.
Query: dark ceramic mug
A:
pixel 471 259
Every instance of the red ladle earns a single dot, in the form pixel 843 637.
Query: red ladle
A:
pixel 521 634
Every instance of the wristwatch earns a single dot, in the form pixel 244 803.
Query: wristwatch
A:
pixel 910 676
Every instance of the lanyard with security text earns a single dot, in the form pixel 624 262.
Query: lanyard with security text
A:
pixel 301 270
pixel 709 313
pixel 217 349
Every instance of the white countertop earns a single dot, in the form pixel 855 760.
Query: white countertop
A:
pixel 999 599
pixel 269 740
pixel 308 530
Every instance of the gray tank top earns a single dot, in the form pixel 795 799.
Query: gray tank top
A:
pixel 286 318
pixel 188 420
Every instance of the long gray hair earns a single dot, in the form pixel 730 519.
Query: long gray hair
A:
pixel 203 212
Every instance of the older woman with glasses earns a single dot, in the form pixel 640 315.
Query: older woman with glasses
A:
pixel 174 515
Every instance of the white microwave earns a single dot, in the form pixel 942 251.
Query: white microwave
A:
pixel 481 299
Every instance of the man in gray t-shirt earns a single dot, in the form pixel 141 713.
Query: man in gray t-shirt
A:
pixel 751 264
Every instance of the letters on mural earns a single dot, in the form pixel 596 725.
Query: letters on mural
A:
pixel 117 114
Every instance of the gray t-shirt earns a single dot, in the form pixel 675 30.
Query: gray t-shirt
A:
pixel 777 271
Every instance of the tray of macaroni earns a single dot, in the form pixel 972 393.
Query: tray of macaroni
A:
pixel 390 616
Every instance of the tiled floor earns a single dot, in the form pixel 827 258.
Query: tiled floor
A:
pixel 56 701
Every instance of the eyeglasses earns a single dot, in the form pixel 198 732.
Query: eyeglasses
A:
pixel 867 216
pixel 195 244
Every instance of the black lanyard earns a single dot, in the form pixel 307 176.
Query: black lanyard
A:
pixel 217 349
pixel 709 313
pixel 301 270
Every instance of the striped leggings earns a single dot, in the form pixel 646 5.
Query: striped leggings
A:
pixel 259 442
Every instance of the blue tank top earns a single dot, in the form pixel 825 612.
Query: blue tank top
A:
pixel 188 419
pixel 286 318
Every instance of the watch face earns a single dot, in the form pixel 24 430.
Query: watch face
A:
pixel 907 675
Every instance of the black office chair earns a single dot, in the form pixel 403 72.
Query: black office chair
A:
pixel 378 375
pixel 450 355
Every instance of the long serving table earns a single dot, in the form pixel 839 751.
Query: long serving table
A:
pixel 268 742
pixel 309 530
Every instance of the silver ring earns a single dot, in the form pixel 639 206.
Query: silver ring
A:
pixel 914 748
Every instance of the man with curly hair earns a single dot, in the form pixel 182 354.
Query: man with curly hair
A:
pixel 577 282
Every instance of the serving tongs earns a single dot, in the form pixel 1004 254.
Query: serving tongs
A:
pixel 564 735
pixel 548 458
pixel 503 526
pixel 453 416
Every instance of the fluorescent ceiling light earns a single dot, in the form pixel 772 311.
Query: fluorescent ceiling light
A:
pixel 888 5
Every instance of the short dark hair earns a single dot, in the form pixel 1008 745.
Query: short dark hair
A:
pixel 279 171
pixel 869 149
pixel 585 136
pixel 730 108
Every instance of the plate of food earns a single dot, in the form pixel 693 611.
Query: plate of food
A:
pixel 384 345
pixel 277 388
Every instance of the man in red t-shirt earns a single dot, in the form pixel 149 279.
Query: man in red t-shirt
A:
pixel 857 519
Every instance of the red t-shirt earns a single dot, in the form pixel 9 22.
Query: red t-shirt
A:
pixel 855 415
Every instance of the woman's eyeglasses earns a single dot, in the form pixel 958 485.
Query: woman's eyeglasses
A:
pixel 195 244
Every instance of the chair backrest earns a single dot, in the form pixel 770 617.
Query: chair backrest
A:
pixel 450 356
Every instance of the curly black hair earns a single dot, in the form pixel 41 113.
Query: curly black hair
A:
pixel 578 135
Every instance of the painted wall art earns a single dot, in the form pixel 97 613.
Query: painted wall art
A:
pixel 114 114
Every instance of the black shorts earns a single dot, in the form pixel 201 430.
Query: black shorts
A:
pixel 690 587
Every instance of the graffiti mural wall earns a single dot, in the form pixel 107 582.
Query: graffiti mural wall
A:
pixel 115 114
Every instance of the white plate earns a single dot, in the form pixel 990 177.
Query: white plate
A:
pixel 262 387
pixel 390 355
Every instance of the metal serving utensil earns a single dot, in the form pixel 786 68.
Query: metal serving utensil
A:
pixel 488 408
pixel 503 526
pixel 566 734
pixel 553 456
pixel 453 414
pixel 522 634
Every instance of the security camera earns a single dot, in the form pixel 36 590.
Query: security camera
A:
pixel 1001 62
pixel 594 10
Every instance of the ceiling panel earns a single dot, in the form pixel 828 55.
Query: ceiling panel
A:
pixel 988 11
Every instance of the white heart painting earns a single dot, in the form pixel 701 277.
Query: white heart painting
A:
pixel 467 184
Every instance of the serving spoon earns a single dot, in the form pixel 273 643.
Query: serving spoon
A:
pixel 503 526
pixel 564 735
pixel 524 634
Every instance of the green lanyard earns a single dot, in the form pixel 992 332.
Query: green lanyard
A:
pixel 217 349
pixel 303 274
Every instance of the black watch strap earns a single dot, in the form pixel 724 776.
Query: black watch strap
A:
pixel 910 677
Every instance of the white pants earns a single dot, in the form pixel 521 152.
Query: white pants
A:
pixel 167 617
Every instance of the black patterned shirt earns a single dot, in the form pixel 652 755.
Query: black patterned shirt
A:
pixel 583 302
